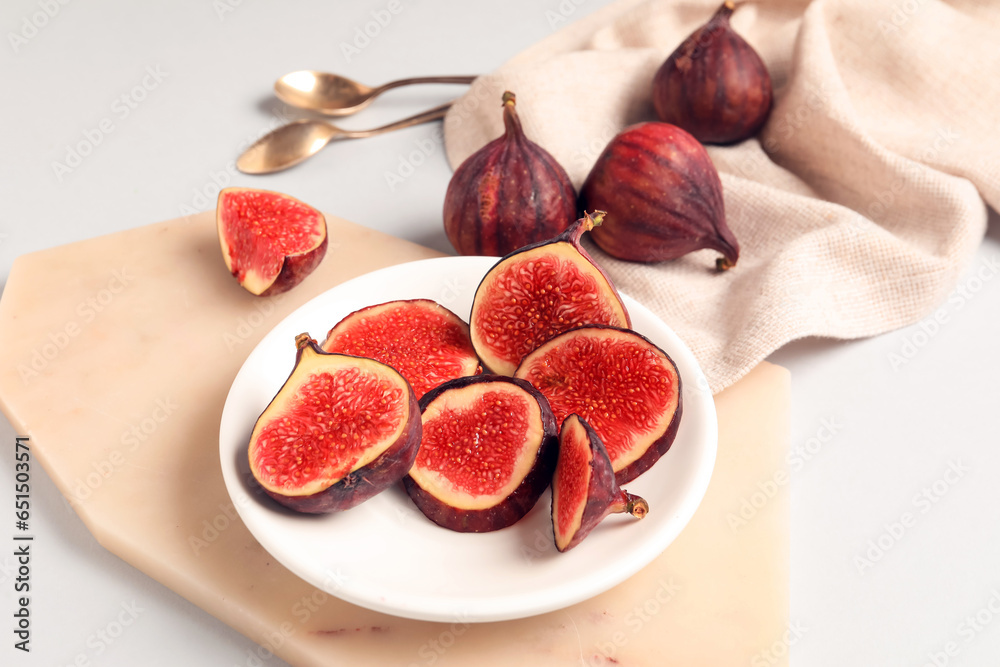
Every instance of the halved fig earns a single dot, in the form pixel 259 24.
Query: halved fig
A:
pixel 487 454
pixel 339 431
pixel 626 388
pixel 270 241
pixel 538 292
pixel 584 490
pixel 420 338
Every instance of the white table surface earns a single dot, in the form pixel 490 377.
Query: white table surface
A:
pixel 890 432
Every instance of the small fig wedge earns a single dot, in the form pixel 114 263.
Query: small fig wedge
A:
pixel 339 431
pixel 584 490
pixel 663 197
pixel 270 241
pixel 714 85
pixel 626 388
pixel 487 454
pixel 509 193
pixel 420 338
pixel 539 291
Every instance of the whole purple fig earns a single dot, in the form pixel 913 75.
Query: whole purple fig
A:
pixel 714 85
pixel 509 193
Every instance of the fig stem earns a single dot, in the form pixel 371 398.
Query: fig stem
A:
pixel 628 503
pixel 302 341
pixel 511 122
pixel 591 221
pixel 724 264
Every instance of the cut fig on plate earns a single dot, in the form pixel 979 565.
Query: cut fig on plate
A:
pixel 270 241
pixel 584 490
pixel 538 292
pixel 420 338
pixel 622 384
pixel 339 431
pixel 488 452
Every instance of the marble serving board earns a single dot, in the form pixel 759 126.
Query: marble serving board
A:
pixel 116 355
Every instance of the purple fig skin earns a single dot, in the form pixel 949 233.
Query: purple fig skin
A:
pixel 663 197
pixel 359 485
pixel 659 446
pixel 604 496
pixel 295 268
pixel 570 236
pixel 508 194
pixel 521 500
pixel 714 85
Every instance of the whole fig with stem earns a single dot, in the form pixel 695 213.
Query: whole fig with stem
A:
pixel 714 85
pixel 508 194
pixel 662 194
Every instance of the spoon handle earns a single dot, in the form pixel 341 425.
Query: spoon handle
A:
pixel 423 117
pixel 421 79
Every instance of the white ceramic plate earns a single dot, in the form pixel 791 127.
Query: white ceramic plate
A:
pixel 385 555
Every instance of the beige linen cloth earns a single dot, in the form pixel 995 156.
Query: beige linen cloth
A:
pixel 858 205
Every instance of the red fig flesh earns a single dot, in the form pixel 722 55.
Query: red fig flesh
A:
pixel 270 241
pixel 623 385
pixel 714 85
pixel 339 431
pixel 487 453
pixel 508 194
pixel 539 291
pixel 421 339
pixel 662 194
pixel 584 490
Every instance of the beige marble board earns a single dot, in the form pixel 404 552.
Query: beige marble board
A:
pixel 116 355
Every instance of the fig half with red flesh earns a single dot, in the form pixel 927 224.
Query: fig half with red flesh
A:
pixel 584 490
pixel 487 454
pixel 270 241
pixel 420 338
pixel 538 292
pixel 339 431
pixel 626 388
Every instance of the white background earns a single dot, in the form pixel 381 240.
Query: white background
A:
pixel 898 429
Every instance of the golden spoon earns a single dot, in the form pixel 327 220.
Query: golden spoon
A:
pixel 290 144
pixel 335 95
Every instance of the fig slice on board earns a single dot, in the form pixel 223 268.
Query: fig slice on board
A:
pixel 584 490
pixel 487 454
pixel 270 241
pixel 622 384
pixel 420 338
pixel 339 431
pixel 539 291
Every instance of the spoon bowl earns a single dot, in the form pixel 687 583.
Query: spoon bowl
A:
pixel 335 95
